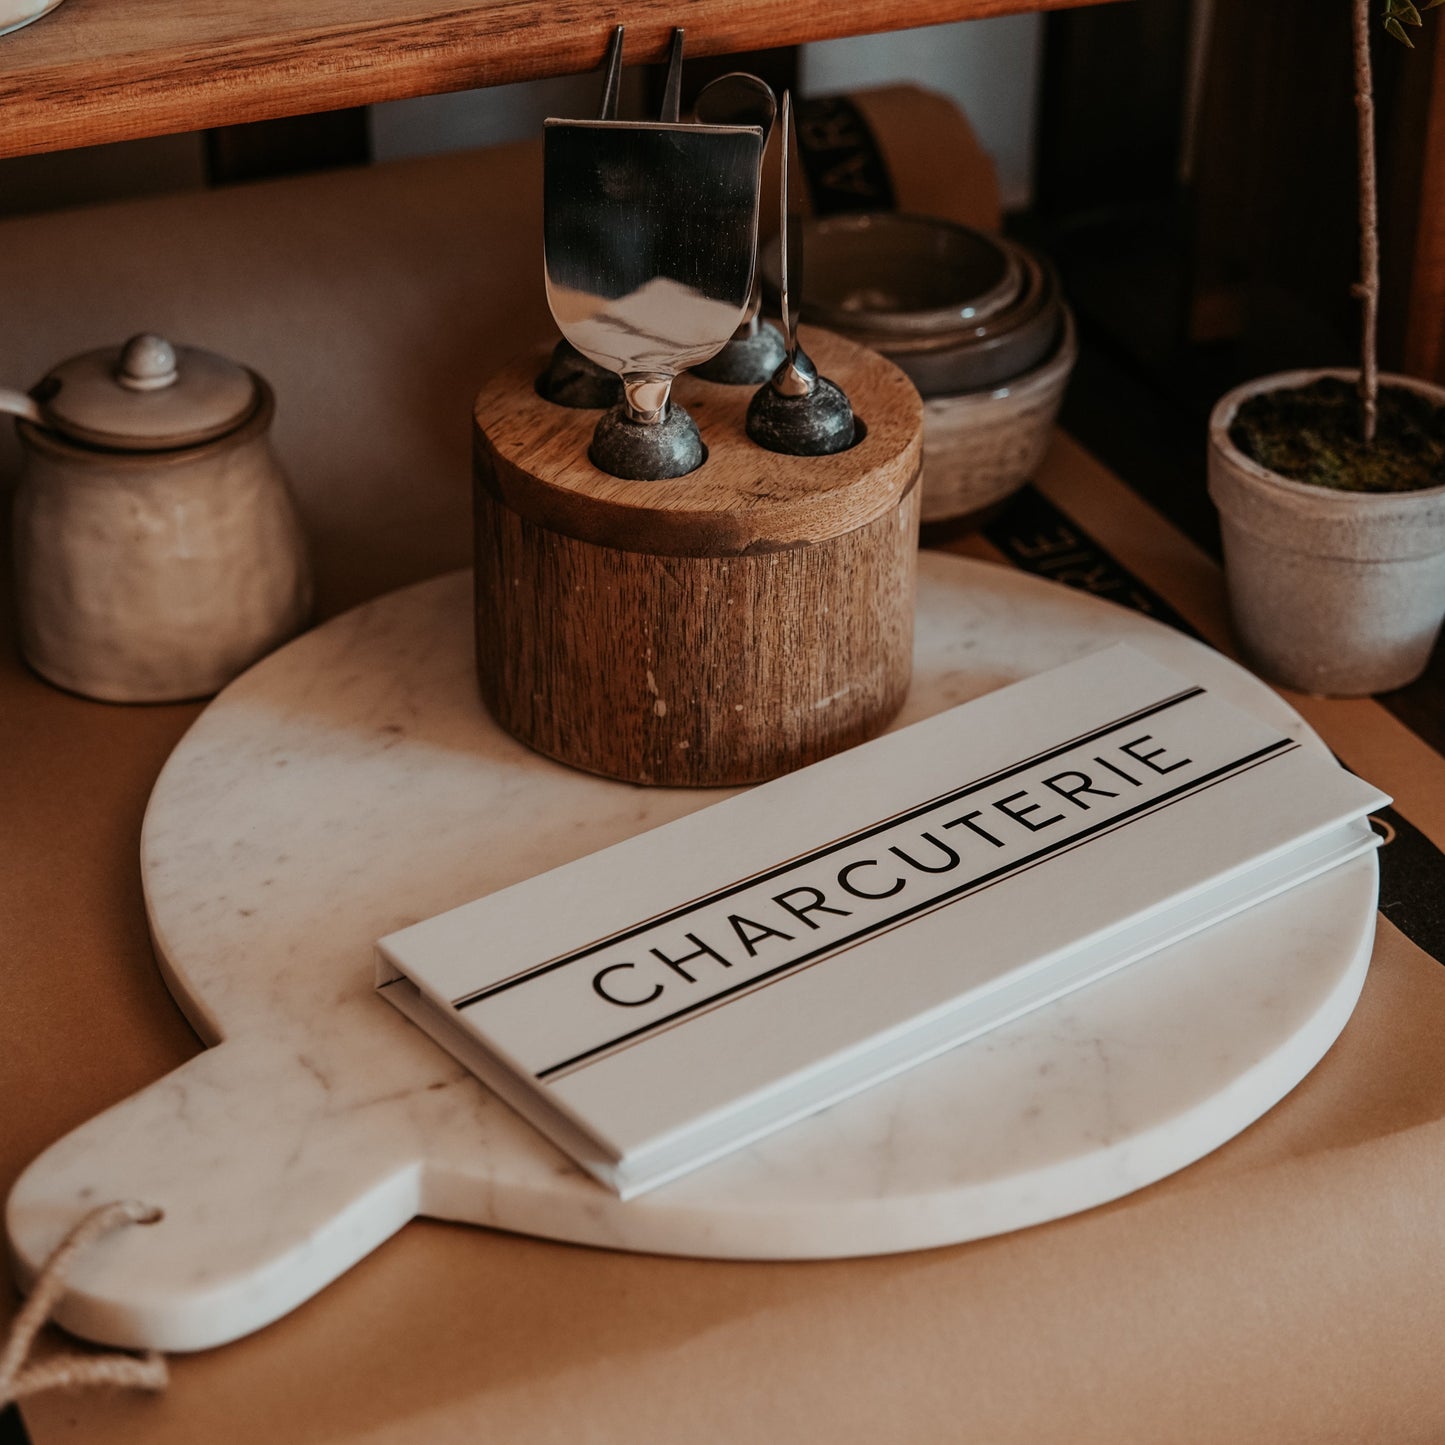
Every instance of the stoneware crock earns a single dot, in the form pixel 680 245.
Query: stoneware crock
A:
pixel 158 552
pixel 1335 593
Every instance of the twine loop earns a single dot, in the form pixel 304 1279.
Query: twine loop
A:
pixel 19 1379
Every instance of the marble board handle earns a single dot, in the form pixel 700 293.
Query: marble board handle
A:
pixel 267 1197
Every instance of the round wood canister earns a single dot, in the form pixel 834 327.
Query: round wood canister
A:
pixel 720 628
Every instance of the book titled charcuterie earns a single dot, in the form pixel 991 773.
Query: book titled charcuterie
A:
pixel 661 1002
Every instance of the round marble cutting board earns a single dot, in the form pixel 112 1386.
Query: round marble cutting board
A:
pixel 352 783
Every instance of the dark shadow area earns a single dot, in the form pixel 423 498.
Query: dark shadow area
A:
pixel 1196 189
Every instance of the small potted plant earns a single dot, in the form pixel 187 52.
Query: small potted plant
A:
pixel 1331 488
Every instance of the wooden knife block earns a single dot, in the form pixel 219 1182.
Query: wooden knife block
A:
pixel 720 628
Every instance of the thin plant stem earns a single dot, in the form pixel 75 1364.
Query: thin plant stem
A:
pixel 1368 287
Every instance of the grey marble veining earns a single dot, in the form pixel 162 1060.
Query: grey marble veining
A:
pixel 352 783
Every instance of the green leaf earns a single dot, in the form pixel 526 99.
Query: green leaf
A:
pixel 1431 4
pixel 1409 14
pixel 1395 29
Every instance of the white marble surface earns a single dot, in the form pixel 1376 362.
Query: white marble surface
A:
pixel 16 14
pixel 352 783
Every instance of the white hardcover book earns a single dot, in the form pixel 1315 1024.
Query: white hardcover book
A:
pixel 673 997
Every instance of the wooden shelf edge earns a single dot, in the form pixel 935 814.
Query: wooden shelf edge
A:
pixel 79 77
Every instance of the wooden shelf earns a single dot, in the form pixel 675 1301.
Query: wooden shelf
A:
pixel 95 71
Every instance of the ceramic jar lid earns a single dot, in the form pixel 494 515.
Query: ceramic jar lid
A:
pixel 146 396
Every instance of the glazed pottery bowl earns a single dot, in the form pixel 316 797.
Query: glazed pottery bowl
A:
pixel 980 447
pixel 901 275
pixel 955 308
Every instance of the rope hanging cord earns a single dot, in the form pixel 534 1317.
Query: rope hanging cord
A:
pixel 17 1379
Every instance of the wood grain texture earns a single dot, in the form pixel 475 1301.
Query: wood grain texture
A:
pixel 533 455
pixel 97 70
pixel 693 671
pixel 724 629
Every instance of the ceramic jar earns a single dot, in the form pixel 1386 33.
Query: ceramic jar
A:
pixel 158 551
pixel 1331 592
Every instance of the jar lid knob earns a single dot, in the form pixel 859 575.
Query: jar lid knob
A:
pixel 147 363
pixel 147 396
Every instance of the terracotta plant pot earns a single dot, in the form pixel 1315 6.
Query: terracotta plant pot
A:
pixel 1335 593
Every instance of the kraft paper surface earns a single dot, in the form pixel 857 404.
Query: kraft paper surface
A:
pixel 1285 1288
